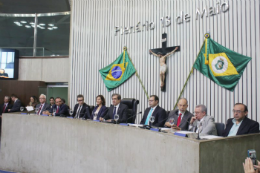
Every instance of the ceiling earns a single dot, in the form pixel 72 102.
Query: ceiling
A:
pixel 34 6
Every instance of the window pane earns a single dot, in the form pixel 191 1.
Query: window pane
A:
pixel 17 33
pixel 53 35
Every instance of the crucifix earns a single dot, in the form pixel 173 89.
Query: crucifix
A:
pixel 163 53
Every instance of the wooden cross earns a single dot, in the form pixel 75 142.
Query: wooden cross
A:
pixel 164 51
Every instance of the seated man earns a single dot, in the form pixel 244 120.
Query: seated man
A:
pixel 240 124
pixel 81 110
pixel 17 104
pixel 6 105
pixel 156 111
pixel 202 122
pixel 3 74
pixel 43 106
pixel 4 109
pixel 117 108
pixel 59 108
pixel 181 116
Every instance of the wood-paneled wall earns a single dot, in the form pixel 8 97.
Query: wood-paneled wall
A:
pixel 23 89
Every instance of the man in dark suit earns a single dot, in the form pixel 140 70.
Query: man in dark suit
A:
pixel 17 104
pixel 240 124
pixel 6 105
pixel 156 111
pixel 181 116
pixel 4 109
pixel 117 108
pixel 43 106
pixel 81 110
pixel 59 109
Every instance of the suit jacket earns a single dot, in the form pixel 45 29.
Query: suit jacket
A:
pixel 101 113
pixel 208 126
pixel 159 115
pixel 84 112
pixel 63 110
pixel 44 108
pixel 122 112
pixel 185 121
pixel 9 106
pixel 16 106
pixel 246 127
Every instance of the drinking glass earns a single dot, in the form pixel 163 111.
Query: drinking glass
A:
pixel 116 118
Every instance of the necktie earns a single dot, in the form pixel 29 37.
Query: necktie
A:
pixel 179 119
pixel 38 113
pixel 148 117
pixel 78 112
pixel 57 111
pixel 114 112
pixel 4 108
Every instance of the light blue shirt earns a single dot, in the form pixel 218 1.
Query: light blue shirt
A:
pixel 148 117
pixel 235 127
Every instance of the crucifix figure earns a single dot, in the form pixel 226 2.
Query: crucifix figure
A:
pixel 163 53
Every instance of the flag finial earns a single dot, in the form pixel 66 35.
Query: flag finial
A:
pixel 125 48
pixel 206 35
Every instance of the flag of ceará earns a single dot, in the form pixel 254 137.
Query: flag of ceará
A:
pixel 117 72
pixel 221 65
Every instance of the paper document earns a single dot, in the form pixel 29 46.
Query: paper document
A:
pixel 29 108
pixel 135 125
pixel 165 129
pixel 210 137
pixel 184 132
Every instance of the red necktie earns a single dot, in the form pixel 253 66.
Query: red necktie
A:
pixel 57 111
pixel 39 110
pixel 4 108
pixel 179 120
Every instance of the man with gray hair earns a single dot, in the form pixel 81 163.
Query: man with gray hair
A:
pixel 43 106
pixel 202 123
pixel 6 105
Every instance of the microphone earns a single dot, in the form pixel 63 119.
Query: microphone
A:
pixel 150 126
pixel 134 115
pixel 198 138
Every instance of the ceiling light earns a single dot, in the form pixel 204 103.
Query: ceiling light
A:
pixel 18 23
pixel 27 26
pixel 42 24
pixel 55 27
pixel 51 24
pixel 32 23
pixel 50 28
pixel 23 21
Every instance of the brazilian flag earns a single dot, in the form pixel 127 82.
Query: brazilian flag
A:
pixel 117 72
pixel 223 66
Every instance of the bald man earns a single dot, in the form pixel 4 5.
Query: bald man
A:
pixel 181 116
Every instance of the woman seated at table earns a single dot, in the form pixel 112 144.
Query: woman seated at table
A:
pixel 33 101
pixel 100 110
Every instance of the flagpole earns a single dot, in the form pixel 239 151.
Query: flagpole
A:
pixel 136 73
pixel 191 71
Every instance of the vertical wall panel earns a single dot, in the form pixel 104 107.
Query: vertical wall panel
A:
pixel 94 46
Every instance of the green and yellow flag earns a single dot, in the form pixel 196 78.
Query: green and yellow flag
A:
pixel 221 65
pixel 117 72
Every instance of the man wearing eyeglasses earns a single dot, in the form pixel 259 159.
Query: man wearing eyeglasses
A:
pixel 155 111
pixel 117 108
pixel 240 124
pixel 43 106
pixel 202 123
pixel 81 110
